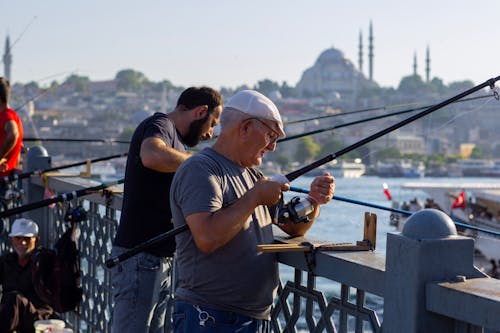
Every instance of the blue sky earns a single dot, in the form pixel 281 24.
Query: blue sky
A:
pixel 229 43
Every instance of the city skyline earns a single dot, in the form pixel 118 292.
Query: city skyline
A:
pixel 230 43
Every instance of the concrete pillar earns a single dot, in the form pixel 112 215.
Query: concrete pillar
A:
pixel 428 249
pixel 37 159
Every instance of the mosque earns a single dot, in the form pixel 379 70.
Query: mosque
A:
pixel 334 76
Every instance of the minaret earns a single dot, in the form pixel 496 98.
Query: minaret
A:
pixel 415 63
pixel 370 52
pixel 427 65
pixel 360 52
pixel 7 60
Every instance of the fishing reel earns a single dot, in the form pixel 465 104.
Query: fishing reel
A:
pixel 296 210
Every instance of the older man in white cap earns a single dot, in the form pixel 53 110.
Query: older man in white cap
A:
pixel 229 206
pixel 20 306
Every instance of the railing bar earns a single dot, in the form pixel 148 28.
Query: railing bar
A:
pixel 344 300
pixel 360 301
pixel 311 283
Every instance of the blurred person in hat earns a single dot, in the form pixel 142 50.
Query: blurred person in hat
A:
pixel 230 208
pixel 20 306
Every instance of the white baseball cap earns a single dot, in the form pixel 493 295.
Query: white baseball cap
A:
pixel 24 228
pixel 255 104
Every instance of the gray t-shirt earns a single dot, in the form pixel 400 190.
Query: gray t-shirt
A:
pixel 235 277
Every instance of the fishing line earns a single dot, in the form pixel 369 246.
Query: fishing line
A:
pixel 23 32
pixel 462 114
pixel 432 130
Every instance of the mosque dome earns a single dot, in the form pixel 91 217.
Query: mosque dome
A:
pixel 331 56
pixel 332 75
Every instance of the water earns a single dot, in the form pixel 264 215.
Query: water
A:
pixel 343 222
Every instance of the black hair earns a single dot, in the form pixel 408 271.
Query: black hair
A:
pixel 196 96
pixel 4 90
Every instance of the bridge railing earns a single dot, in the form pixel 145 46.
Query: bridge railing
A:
pixel 414 284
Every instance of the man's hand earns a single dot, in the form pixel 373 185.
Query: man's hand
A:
pixel 322 188
pixel 268 192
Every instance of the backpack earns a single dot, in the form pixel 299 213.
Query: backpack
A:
pixel 56 273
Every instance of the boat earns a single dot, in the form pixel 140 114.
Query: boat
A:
pixel 345 169
pixel 477 204
pixel 400 168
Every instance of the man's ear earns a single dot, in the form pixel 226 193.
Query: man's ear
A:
pixel 201 111
pixel 245 128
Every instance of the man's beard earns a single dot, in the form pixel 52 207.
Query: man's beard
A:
pixel 194 135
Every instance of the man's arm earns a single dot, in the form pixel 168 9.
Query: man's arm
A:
pixel 213 230
pixel 11 136
pixel 156 155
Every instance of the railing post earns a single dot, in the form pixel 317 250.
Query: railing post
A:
pixel 37 159
pixel 428 249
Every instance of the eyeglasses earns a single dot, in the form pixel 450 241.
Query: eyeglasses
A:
pixel 272 136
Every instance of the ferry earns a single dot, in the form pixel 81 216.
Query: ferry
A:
pixel 345 169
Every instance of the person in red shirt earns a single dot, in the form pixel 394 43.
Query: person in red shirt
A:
pixel 11 132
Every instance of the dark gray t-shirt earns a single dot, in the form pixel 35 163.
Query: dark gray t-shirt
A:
pixel 235 277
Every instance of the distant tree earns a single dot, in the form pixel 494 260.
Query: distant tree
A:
pixel 130 80
pixel 78 83
pixel 435 159
pixel 282 159
pixel 496 152
pixel 287 91
pixel 31 86
pixel 411 84
pixel 386 153
pixel 306 150
pixel 226 91
pixel 242 87
pixel 266 86
pixel 158 86
pixel 331 145
pixel 455 87
pixel 476 153
pixel 437 85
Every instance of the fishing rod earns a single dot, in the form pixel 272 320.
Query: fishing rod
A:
pixel 395 210
pixel 23 175
pixel 60 198
pixel 321 130
pixel 75 140
pixel 295 174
